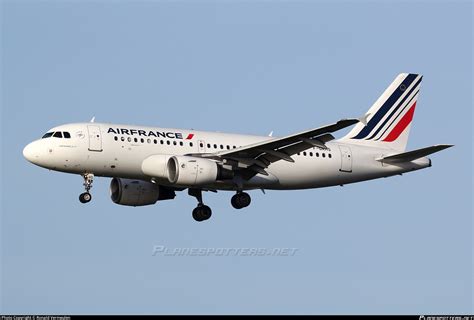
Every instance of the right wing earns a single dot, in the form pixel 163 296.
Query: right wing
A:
pixel 254 158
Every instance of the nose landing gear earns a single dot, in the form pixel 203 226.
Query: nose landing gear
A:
pixel 86 196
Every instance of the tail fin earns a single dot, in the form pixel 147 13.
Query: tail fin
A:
pixel 387 123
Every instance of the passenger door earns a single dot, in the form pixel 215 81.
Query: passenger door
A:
pixel 95 138
pixel 346 159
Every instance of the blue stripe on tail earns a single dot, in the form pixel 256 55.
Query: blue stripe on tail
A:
pixel 408 105
pixel 385 107
pixel 395 110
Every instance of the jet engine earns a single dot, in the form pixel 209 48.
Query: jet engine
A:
pixel 192 171
pixel 130 192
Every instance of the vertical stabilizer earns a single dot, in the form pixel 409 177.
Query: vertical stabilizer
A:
pixel 387 123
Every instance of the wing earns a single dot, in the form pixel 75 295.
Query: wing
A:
pixel 254 158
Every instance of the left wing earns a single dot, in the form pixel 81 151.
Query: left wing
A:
pixel 258 156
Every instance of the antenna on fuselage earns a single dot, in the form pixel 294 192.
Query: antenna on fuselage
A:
pixel 93 119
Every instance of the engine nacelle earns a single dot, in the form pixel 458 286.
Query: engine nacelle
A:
pixel 130 192
pixel 191 171
pixel 156 166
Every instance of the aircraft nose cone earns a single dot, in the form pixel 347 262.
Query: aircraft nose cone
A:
pixel 29 152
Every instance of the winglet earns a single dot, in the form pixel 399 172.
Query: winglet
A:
pixel 93 119
pixel 364 118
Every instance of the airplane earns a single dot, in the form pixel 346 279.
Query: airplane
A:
pixel 150 164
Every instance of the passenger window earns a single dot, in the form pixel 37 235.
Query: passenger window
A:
pixel 115 138
pixel 317 154
pixel 161 141
pixel 310 154
pixel 329 155
pixel 201 144
pixel 228 147
pixel 324 155
pixel 129 139
pixel 215 146
pixel 47 135
pixel 136 140
pixel 154 141
pixel 122 138
pixel 168 142
pixel 190 144
pixel 67 135
pixel 234 147
pixel 148 140
pixel 181 143
pixel 58 134
pixel 209 145
pixel 304 153
pixel 142 140
pixel 174 143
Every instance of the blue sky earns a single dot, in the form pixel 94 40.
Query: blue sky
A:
pixel 397 245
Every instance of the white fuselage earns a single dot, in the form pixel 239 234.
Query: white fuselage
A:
pixel 112 150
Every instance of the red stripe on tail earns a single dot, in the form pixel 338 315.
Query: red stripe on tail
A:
pixel 404 122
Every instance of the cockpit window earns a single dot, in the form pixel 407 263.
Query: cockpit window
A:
pixel 66 135
pixel 47 135
pixel 58 134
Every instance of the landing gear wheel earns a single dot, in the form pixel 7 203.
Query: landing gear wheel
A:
pixel 88 179
pixel 85 197
pixel 201 213
pixel 240 200
pixel 234 202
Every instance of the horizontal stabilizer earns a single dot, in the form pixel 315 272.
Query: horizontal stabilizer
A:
pixel 415 154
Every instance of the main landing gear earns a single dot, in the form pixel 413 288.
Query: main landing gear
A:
pixel 201 212
pixel 86 196
pixel 240 200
